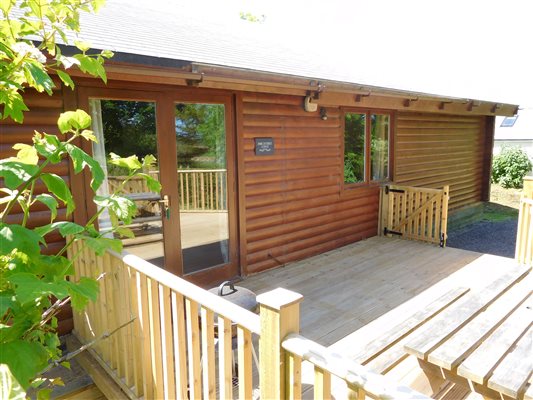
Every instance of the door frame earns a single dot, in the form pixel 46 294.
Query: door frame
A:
pixel 165 100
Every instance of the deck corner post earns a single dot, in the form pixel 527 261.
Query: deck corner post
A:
pixel 280 315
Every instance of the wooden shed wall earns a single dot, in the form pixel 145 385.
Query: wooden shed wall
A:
pixel 293 203
pixel 433 150
pixel 43 117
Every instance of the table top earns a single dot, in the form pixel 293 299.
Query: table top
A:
pixel 485 337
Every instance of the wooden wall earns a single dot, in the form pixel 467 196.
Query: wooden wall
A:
pixel 433 150
pixel 43 114
pixel 294 206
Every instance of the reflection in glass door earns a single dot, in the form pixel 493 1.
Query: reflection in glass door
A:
pixel 126 128
pixel 202 185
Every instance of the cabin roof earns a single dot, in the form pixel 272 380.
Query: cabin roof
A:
pixel 160 34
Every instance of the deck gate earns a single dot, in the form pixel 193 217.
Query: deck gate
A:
pixel 414 213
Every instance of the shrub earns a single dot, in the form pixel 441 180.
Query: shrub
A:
pixel 510 166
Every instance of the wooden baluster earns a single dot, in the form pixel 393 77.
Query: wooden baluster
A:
pixel 194 191
pixel 144 324
pixel 225 358
pixel 294 381
pixel 166 343
pixel 180 352
pixel 208 354
pixel 193 350
pixel 444 215
pixel 188 206
pixel 244 350
pixel 155 338
pixel 211 174
pixel 322 384
pixel 202 191
pixel 137 335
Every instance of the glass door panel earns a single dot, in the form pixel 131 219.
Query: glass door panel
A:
pixel 126 128
pixel 202 185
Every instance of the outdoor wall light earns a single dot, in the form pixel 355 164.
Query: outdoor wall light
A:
pixel 309 106
pixel 323 113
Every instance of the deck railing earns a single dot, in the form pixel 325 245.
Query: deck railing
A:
pixel 173 332
pixel 414 213
pixel 175 340
pixel 199 189
pixel 524 236
pixel 359 380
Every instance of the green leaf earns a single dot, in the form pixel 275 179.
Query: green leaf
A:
pixel 125 232
pixel 65 78
pixel 24 359
pixel 18 237
pixel 10 388
pixel 101 244
pixel 38 78
pixel 52 267
pixel 152 183
pixel 107 53
pixel 5 6
pixel 124 208
pixel 81 292
pixel 91 66
pixel 29 287
pixel 83 46
pixel 81 159
pixel 15 173
pixel 73 120
pixel 13 105
pixel 64 227
pixel 26 154
pixel 48 146
pixel 88 135
pixel 6 302
pixel 59 188
pixel 132 163
pixel 49 202
pixel 44 394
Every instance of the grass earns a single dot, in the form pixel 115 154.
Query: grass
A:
pixel 503 205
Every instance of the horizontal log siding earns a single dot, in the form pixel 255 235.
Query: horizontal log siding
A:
pixel 295 206
pixel 434 150
pixel 42 117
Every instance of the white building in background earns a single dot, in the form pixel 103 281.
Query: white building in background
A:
pixel 515 131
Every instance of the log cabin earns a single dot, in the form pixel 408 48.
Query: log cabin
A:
pixel 263 160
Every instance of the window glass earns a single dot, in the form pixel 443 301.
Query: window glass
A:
pixel 379 147
pixel 354 147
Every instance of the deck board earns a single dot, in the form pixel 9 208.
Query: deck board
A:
pixel 347 288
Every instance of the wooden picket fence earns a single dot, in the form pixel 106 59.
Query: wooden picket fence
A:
pixel 173 339
pixel 414 213
pixel 524 237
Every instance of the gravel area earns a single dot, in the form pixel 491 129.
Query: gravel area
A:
pixel 498 238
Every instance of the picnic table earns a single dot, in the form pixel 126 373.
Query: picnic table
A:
pixel 484 339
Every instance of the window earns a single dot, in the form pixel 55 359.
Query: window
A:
pixel 508 121
pixel 366 146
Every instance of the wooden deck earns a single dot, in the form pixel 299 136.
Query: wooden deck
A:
pixel 347 288
pixel 355 293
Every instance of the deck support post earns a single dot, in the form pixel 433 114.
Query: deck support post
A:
pixel 280 315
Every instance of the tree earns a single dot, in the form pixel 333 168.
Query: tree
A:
pixel 28 277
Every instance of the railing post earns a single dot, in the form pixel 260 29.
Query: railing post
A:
pixel 280 315
pixel 527 191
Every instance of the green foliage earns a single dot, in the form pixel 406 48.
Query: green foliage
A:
pixel 30 278
pixel 510 166
pixel 28 63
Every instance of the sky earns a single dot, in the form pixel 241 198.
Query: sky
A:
pixel 461 48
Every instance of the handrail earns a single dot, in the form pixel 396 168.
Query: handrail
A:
pixel 219 305
pixel 355 375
